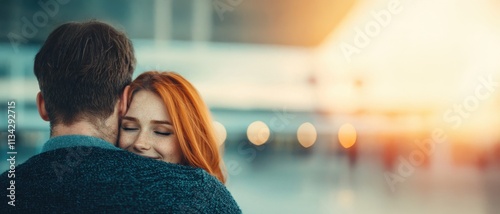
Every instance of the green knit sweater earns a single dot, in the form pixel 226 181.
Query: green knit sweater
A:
pixel 70 178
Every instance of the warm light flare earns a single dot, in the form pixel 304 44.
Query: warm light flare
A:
pixel 347 135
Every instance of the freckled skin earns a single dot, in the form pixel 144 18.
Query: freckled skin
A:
pixel 144 130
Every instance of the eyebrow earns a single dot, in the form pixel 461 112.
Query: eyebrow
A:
pixel 161 122
pixel 153 121
pixel 130 118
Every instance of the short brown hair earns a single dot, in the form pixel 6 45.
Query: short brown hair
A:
pixel 82 69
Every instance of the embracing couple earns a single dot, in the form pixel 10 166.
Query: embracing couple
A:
pixel 117 145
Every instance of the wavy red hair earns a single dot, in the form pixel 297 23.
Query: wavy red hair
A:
pixel 190 117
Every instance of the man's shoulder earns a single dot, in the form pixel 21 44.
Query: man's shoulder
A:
pixel 83 161
pixel 116 179
pixel 115 160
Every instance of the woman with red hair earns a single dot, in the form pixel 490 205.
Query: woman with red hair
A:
pixel 167 120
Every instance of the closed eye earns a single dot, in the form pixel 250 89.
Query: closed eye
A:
pixel 163 133
pixel 129 129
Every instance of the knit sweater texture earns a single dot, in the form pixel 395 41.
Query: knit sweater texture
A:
pixel 90 179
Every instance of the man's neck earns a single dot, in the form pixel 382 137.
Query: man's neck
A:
pixel 87 129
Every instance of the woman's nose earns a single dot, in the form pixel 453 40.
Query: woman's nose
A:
pixel 142 143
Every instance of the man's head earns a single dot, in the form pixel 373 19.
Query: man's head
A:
pixel 82 70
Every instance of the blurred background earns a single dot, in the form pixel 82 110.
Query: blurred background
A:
pixel 322 106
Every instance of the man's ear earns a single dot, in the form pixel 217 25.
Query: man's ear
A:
pixel 40 104
pixel 124 101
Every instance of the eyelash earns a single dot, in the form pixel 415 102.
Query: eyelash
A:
pixel 164 133
pixel 157 132
pixel 129 129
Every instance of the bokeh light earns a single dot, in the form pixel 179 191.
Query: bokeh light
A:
pixel 306 134
pixel 347 135
pixel 258 133
pixel 220 132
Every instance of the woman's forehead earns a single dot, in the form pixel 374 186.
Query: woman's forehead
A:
pixel 146 105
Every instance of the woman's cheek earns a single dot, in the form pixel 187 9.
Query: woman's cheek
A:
pixel 125 140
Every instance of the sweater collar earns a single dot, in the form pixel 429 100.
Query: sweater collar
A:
pixel 66 141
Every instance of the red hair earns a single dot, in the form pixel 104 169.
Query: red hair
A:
pixel 190 116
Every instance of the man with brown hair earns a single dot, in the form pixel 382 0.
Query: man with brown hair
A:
pixel 83 70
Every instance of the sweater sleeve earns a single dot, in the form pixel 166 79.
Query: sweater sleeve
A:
pixel 220 199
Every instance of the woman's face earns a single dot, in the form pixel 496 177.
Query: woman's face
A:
pixel 147 129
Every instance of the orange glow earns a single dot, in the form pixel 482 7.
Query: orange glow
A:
pixel 258 133
pixel 347 135
pixel 306 134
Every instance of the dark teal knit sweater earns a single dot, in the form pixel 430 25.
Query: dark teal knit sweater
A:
pixel 89 179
